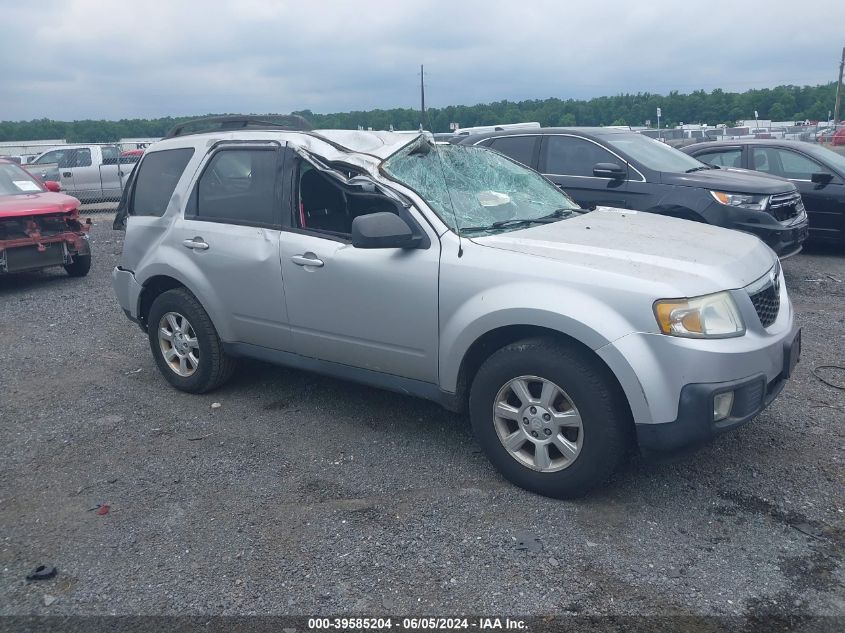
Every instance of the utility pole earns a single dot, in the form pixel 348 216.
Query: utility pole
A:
pixel 422 97
pixel 838 91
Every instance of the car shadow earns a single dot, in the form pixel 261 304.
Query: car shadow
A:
pixel 28 281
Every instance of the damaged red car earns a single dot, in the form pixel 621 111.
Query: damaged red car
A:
pixel 39 227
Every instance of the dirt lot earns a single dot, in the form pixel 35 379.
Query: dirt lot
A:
pixel 305 495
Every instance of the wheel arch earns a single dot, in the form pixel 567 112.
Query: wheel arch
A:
pixel 152 288
pixel 493 340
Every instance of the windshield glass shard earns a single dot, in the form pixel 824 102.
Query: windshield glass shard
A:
pixel 475 189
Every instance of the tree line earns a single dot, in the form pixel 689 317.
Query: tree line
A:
pixel 783 103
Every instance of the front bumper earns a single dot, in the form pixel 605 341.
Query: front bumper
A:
pixel 695 425
pixel 34 253
pixel 784 238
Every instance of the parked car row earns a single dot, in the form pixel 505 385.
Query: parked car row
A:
pixel 461 275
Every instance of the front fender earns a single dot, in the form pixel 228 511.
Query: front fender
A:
pixel 575 314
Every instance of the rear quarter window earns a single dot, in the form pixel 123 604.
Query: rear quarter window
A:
pixel 157 177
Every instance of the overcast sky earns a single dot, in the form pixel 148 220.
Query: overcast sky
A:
pixel 72 59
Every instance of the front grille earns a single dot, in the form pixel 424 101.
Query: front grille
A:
pixel 785 206
pixel 765 295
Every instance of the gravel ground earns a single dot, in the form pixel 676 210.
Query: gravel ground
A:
pixel 307 495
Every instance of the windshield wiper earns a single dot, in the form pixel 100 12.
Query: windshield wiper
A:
pixel 555 215
pixel 543 219
pixel 689 171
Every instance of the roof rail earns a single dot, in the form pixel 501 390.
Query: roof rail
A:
pixel 291 122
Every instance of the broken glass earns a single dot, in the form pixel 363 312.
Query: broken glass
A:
pixel 477 190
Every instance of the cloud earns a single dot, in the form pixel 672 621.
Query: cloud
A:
pixel 73 59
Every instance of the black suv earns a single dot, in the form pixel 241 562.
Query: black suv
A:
pixel 619 168
pixel 818 172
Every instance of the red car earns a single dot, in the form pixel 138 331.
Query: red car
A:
pixel 838 137
pixel 39 227
pixel 131 155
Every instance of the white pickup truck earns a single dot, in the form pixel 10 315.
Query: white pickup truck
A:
pixel 88 172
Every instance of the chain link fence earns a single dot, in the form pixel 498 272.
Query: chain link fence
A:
pixel 94 173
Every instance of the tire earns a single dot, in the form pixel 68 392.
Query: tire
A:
pixel 79 267
pixel 586 394
pixel 178 313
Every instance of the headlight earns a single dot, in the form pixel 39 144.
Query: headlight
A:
pixel 710 316
pixel 744 201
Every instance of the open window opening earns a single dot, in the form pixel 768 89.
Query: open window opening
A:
pixel 325 204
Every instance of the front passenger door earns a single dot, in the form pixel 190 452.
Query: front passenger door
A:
pixel 373 309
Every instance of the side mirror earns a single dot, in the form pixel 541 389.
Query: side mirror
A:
pixel 821 178
pixel 52 185
pixel 609 170
pixel 382 230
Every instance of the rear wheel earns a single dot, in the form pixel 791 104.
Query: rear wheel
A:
pixel 185 344
pixel 79 266
pixel 549 417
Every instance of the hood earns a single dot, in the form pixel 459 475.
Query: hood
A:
pixel 681 257
pixel 733 180
pixel 44 203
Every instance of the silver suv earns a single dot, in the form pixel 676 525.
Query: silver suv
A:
pixel 454 274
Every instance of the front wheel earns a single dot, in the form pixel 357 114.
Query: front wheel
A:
pixel 185 344
pixel 549 417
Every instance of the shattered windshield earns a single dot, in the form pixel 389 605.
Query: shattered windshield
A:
pixel 475 190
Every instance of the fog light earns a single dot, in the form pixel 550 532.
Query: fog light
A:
pixel 722 403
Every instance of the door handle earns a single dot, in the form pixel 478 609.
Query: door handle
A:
pixel 303 260
pixel 196 244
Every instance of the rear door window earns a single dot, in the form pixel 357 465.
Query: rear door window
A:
pixel 728 157
pixel 80 157
pixel 520 148
pixel 573 156
pixel 110 155
pixel 238 186
pixel 157 177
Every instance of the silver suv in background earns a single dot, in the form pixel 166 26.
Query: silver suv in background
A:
pixel 452 273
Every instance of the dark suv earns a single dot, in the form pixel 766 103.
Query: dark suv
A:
pixel 619 168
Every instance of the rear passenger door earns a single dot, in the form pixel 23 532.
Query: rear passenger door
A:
pixel 568 162
pixel 113 175
pixel 230 234
pixel 77 165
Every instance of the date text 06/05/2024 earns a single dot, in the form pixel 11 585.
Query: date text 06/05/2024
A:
pixel 416 624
